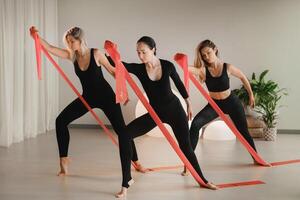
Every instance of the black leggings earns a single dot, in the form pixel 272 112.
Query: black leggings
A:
pixel 232 106
pixel 113 112
pixel 174 115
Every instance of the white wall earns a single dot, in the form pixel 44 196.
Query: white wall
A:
pixel 253 35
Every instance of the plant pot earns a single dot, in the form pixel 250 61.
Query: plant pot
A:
pixel 270 134
pixel 251 112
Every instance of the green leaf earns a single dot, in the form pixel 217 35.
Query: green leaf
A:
pixel 262 75
pixel 253 76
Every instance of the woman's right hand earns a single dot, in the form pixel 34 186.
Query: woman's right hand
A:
pixel 33 30
pixel 56 51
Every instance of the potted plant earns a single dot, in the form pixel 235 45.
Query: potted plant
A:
pixel 260 89
pixel 268 109
pixel 267 95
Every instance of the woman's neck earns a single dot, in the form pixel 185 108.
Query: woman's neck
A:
pixel 153 63
pixel 81 52
pixel 215 64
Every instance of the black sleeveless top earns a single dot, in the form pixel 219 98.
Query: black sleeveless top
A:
pixel 217 84
pixel 92 79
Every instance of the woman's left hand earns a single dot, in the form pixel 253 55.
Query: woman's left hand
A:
pixel 189 112
pixel 188 108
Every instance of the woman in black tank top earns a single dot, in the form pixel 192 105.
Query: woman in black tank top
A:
pixel 211 70
pixel 97 92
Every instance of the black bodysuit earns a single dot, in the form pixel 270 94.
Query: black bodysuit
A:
pixel 98 94
pixel 166 105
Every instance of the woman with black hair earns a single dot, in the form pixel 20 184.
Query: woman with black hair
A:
pixel 154 75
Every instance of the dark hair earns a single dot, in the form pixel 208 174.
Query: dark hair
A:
pixel 149 41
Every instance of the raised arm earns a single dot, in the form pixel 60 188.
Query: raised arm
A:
pixel 131 67
pixel 59 52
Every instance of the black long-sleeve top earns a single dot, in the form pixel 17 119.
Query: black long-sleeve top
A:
pixel 159 92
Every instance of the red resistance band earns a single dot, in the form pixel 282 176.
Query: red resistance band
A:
pixel 38 45
pixel 121 91
pixel 181 59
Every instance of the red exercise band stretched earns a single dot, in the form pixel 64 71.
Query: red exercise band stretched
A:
pixel 178 58
pixel 181 59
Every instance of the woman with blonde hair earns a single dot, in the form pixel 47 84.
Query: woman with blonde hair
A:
pixel 212 71
pixel 97 92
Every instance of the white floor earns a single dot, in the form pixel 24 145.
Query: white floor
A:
pixel 28 170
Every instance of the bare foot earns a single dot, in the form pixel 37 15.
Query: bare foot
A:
pixel 212 186
pixel 64 162
pixel 123 192
pixel 257 163
pixel 140 168
pixel 185 172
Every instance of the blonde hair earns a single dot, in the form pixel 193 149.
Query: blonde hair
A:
pixel 78 34
pixel 199 62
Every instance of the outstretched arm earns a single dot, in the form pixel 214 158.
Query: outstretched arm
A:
pixel 59 52
pixel 131 67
